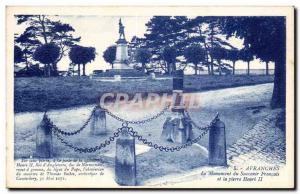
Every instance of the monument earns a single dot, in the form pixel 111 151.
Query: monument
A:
pixel 121 61
pixel 122 66
pixel 178 127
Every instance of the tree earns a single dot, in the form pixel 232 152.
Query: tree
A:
pixel 109 55
pixel 181 32
pixel 206 31
pixel 247 55
pixel 212 31
pixel 169 55
pixel 158 29
pixel 265 35
pixel 267 58
pixel 81 56
pixel 213 39
pixel 143 56
pixel 18 55
pixel 164 32
pixel 42 30
pixel 194 54
pixel 195 33
pixel 218 53
pixel 47 54
pixel 233 55
pixel 28 45
pixel 63 37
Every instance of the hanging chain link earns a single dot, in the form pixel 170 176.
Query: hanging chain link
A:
pixel 66 133
pixel 138 121
pixel 194 124
pixel 88 149
pixel 168 148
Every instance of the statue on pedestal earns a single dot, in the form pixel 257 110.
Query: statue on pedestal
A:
pixel 121 29
pixel 121 61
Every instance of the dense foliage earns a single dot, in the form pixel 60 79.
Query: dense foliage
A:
pixel 194 54
pixel 42 29
pixel 80 55
pixel 109 55
pixel 143 56
pixel 266 39
pixel 47 54
pixel 18 55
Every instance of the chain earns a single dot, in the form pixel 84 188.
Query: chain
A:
pixel 89 149
pixel 140 121
pixel 131 132
pixel 167 148
pixel 62 132
pixel 194 124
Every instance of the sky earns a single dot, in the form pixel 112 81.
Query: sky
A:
pixel 103 31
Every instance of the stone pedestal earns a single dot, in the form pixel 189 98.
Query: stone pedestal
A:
pixel 118 65
pixel 125 160
pixel 98 124
pixel 178 80
pixel 177 129
pixel 44 147
pixel 117 78
pixel 217 144
pixel 152 76
pixel 121 61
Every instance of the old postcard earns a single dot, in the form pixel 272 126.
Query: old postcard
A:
pixel 150 97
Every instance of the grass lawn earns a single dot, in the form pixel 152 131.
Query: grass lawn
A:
pixel 39 94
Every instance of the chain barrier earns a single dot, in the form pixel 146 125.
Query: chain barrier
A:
pixel 125 129
pixel 167 148
pixel 66 133
pixel 88 149
pixel 194 124
pixel 138 121
pixel 131 132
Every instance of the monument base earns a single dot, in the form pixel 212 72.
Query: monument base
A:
pixel 119 65
pixel 177 129
pixel 121 61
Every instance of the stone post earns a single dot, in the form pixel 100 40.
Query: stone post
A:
pixel 178 80
pixel 152 76
pixel 117 78
pixel 125 160
pixel 177 128
pixel 217 144
pixel 98 124
pixel 44 146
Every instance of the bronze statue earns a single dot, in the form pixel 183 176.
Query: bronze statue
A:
pixel 121 30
